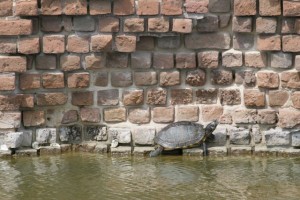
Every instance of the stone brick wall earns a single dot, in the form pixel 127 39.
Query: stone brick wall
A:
pixel 73 66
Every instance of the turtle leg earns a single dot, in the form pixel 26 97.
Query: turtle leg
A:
pixel 156 152
pixel 205 152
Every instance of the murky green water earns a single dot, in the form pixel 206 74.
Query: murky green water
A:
pixel 88 176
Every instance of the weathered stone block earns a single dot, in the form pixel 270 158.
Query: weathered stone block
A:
pixel 143 136
pixel 211 112
pixel 70 134
pixel 181 96
pixel 146 7
pixel 51 99
pixel 139 115
pixel 281 60
pixel 247 78
pixel 242 116
pixel 278 97
pixel 244 7
pixel 182 25
pixel 232 58
pixel 78 80
pixel 288 117
pixel 255 59
pixel 121 79
pixel 206 96
pixel 208 40
pixel 266 25
pixel 219 6
pixel 187 113
pixel 159 24
pixel 125 43
pixel 133 97
pixel 70 62
pixel 289 41
pixel 230 96
pixel 185 60
pixel 169 78
pixel 277 137
pixel 242 24
pixel 124 7
pixel 221 77
pixel 95 133
pixel 209 23
pixel 78 44
pixel 296 139
pixel 83 23
pixel 141 60
pixel 267 116
pixel 95 62
pixel 163 60
pixel 117 60
pixel 196 78
pixel 100 7
pixel 270 7
pixel 109 24
pixel 163 114
pixel 108 97
pixel 254 98
pixel 269 43
pixel 145 78
pixel 208 59
pixel 46 135
pixel 13 139
pixel 142 151
pixel 115 114
pixel 267 80
pixel 53 80
pixel 156 96
pixel 122 135
pixel 101 43
pixel 195 6
pixel 69 116
pixel 291 8
pixel 33 118
pixel 296 99
pixel 243 41
pixel 54 44
pixel 171 7
pixel 90 115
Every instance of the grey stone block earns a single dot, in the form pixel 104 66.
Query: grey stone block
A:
pixel 281 60
pixel 217 151
pixel 101 148
pixel 83 23
pixel 193 152
pixel 239 136
pixel 121 151
pixel 70 134
pixel 49 150
pixel 95 133
pixel 122 135
pixel 26 152
pixel 141 60
pixel 143 136
pixel 296 139
pixel 46 135
pixel 13 139
pixel 277 137
pixel 220 136
pixel 169 42
pixel 241 151
pixel 27 138
pixel 142 151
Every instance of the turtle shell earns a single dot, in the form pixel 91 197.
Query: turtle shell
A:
pixel 180 135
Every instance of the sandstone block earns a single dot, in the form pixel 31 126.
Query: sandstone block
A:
pixel 124 7
pixel 156 96
pixel 206 96
pixel 133 97
pixel 163 114
pixel 30 81
pixel 146 7
pixel 288 117
pixel 100 7
pixel 181 96
pixel 169 78
pixel 69 116
pixel 108 97
pixel 90 115
pixel 208 40
pixel 196 78
pixel 51 99
pixel 267 80
pixel 70 62
pixel 254 98
pixel 296 99
pixel 244 7
pixel 53 80
pixel 78 80
pixel 290 80
pixel 12 64
pixel 77 44
pixel 211 112
pixel 115 114
pixel 171 7
pixel 230 96
pixel 278 97
pixel 15 102
pixel 187 113
pixel 33 118
pixel 161 25
pixel 208 59
pixel 54 44
pixel 82 98
pixel 134 25
pixel 139 115
pixel 100 43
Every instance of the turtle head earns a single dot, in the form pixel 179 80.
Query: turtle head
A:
pixel 210 128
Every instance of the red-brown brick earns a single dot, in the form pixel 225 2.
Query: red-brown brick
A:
pixel 7 82
pixel 15 102
pixel 195 6
pixel 51 7
pixel 125 43
pixel 6 8
pixel 171 7
pixel 77 44
pixel 163 114
pixel 30 81
pixel 181 96
pixel 13 64
pixel 291 8
pixel 53 80
pixel 90 115
pixel 115 114
pixel 187 113
pixel 157 96
pixel 139 115
pixel 109 24
pixel 159 24
pixel 270 7
pixel 26 8
pixel 148 7
pixel 100 7
pixel 134 25
pixel 101 43
pixel 51 99
pixel 34 118
pixel 79 80
pixel 83 98
pixel 211 112
pixel 268 79
pixel 254 98
pixel 291 43
pixel 169 78
pixel 29 45
pixel 15 27
pixel 75 7
pixel 278 97
pixel 182 25
pixel 54 44
pixel 70 62
pixel 244 7
pixel 269 43
pixel 124 7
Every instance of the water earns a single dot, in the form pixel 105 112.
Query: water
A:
pixel 89 176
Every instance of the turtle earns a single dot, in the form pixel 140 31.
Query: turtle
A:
pixel 183 134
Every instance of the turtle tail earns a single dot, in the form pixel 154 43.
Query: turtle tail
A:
pixel 156 152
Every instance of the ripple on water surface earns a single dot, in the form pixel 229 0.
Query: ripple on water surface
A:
pixel 88 176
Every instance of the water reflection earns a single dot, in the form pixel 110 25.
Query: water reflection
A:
pixel 87 176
